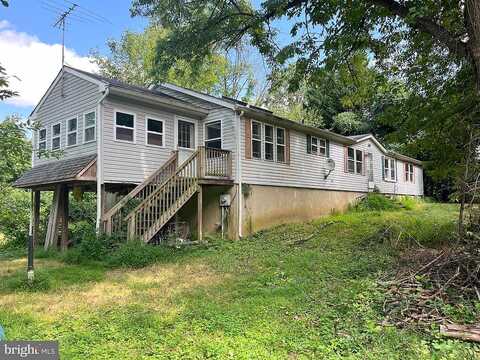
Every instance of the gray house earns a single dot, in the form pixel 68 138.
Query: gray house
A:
pixel 169 155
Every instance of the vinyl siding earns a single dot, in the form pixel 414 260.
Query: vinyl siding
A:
pixel 132 162
pixel 308 170
pixel 79 96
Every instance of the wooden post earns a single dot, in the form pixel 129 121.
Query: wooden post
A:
pixel 64 220
pixel 52 228
pixel 200 212
pixel 36 217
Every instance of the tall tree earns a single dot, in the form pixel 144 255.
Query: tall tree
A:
pixel 133 59
pixel 5 93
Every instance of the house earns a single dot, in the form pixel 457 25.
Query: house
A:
pixel 169 155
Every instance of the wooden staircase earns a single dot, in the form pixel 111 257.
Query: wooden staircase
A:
pixel 148 208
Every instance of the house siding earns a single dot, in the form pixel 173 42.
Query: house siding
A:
pixel 308 170
pixel 79 96
pixel 132 162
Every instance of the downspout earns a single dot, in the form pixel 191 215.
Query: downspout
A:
pixel 238 117
pixel 99 135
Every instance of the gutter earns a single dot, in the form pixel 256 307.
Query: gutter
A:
pixel 99 135
pixel 238 117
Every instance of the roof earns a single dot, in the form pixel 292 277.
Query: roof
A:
pixel 55 171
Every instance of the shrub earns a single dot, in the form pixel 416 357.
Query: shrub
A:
pixel 81 230
pixel 137 254
pixel 376 202
pixel 409 202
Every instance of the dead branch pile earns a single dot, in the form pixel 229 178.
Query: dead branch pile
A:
pixel 428 280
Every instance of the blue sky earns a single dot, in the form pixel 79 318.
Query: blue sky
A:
pixel 30 46
pixel 27 34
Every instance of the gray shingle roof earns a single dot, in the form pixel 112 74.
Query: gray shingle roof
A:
pixel 55 171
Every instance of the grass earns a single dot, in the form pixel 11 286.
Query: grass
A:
pixel 304 291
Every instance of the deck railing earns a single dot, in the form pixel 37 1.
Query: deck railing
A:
pixel 215 163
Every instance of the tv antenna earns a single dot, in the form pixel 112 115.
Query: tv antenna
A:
pixel 60 23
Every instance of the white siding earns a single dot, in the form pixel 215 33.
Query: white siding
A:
pixel 70 97
pixel 132 163
pixel 308 170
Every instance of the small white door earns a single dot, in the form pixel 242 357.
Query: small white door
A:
pixel 185 138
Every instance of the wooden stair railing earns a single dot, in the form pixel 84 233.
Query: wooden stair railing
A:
pixel 148 218
pixel 113 219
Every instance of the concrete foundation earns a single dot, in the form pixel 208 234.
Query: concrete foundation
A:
pixel 267 206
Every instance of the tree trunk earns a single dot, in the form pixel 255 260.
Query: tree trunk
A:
pixel 472 22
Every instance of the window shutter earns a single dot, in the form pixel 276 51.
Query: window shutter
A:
pixel 287 146
pixel 413 172
pixel 248 138
pixel 383 167
pixel 309 144
pixel 406 172
pixel 328 147
pixel 345 149
pixel 395 165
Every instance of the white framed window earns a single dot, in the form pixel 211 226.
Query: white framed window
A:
pixel 213 134
pixel 409 173
pixel 124 126
pixel 281 144
pixel 389 170
pixel 354 161
pixel 56 131
pixel 42 141
pixel 89 126
pixel 268 142
pixel 256 140
pixel 72 132
pixel 318 146
pixel 154 128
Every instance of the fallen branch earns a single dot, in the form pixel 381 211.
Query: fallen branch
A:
pixel 463 332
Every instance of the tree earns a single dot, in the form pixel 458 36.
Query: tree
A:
pixel 133 59
pixel 4 91
pixel 444 33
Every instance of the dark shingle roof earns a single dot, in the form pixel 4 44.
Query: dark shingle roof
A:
pixel 55 171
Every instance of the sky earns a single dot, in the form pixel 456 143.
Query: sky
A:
pixel 30 47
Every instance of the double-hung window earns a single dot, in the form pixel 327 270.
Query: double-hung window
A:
pixel 154 132
pixel 389 171
pixel 124 126
pixel 354 161
pixel 42 141
pixel 316 146
pixel 72 131
pixel 56 130
pixel 256 140
pixel 281 146
pixel 213 134
pixel 268 131
pixel 89 124
pixel 409 174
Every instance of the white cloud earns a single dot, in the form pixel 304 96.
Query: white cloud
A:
pixel 33 64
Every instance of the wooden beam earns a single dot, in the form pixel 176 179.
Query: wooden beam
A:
pixel 52 228
pixel 64 219
pixel 200 212
pixel 36 217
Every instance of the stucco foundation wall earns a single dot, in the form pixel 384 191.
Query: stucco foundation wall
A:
pixel 267 206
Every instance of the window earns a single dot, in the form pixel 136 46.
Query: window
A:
pixel 256 140
pixel 316 146
pixel 154 132
pixel 186 134
pixel 409 174
pixel 281 145
pixel 389 171
pixel 268 139
pixel 89 122
pixel 354 161
pixel 72 126
pixel 42 141
pixel 213 134
pixel 124 126
pixel 56 129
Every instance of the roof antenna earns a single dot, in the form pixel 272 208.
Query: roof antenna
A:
pixel 60 23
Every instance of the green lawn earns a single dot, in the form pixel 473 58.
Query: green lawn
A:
pixel 295 292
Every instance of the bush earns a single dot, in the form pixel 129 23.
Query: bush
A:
pixel 376 202
pixel 409 202
pixel 137 254
pixel 81 230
